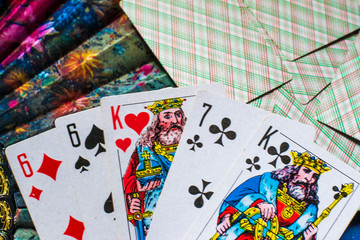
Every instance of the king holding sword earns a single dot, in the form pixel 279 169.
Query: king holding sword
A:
pixel 282 204
pixel 151 161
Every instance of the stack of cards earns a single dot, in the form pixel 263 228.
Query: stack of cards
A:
pixel 238 173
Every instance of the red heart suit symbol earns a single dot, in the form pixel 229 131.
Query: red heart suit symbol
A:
pixel 137 123
pixel 123 144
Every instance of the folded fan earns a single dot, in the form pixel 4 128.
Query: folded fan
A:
pixel 75 22
pixel 21 21
pixel 147 77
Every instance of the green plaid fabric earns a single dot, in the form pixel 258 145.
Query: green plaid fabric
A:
pixel 312 73
pixel 299 27
pixel 340 102
pixel 284 104
pixel 209 41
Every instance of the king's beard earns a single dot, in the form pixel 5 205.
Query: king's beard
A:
pixel 170 136
pixel 298 190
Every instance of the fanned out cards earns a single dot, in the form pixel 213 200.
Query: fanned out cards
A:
pixel 182 163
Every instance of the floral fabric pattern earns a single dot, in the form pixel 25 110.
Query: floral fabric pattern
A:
pixel 22 20
pixel 73 23
pixel 112 52
pixel 147 77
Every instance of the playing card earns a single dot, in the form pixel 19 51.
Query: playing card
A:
pixel 283 186
pixel 83 146
pixel 217 130
pixel 38 168
pixel 142 132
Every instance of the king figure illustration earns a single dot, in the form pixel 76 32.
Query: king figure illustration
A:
pixel 151 161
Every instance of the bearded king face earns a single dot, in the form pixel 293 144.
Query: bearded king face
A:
pixel 300 186
pixel 171 126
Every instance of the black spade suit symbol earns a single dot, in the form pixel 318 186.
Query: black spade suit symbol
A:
pixel 95 137
pixel 108 206
pixel 82 163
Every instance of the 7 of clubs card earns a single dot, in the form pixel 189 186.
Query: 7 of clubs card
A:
pixel 142 132
pixel 217 131
pixel 283 187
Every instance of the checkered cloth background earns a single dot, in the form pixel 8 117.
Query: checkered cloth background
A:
pixel 299 27
pixel 209 41
pixel 340 102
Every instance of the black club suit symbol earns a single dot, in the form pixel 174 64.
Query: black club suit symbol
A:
pixel 284 158
pixel 253 163
pixel 225 123
pixel 194 142
pixel 339 192
pixel 199 202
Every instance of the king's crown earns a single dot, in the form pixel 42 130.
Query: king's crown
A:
pixel 312 163
pixel 162 105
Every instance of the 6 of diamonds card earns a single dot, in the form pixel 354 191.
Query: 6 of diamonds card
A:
pixel 38 168
pixel 283 187
pixel 83 146
pixel 142 132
